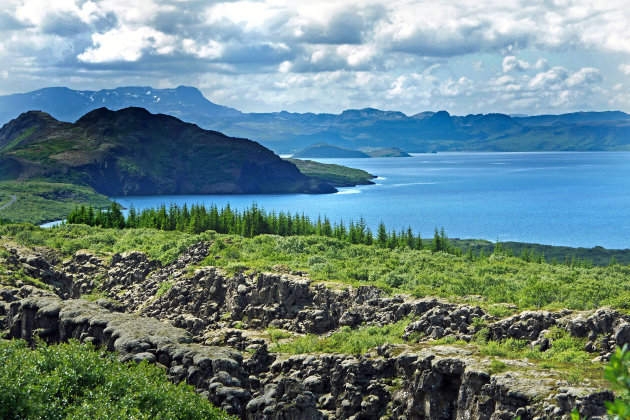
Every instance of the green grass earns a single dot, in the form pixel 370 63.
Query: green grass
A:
pixel 497 366
pixel 39 202
pixel 18 139
pixel 165 286
pixel 4 198
pixel 526 285
pixel 277 334
pixel 357 341
pixel 77 381
pixel 339 176
pixel 159 245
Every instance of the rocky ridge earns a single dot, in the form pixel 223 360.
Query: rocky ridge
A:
pixel 207 328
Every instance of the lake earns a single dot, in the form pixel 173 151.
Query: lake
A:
pixel 555 198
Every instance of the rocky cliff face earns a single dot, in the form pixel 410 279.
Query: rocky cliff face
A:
pixel 207 328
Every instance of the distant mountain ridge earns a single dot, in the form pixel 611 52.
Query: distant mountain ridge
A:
pixel 132 151
pixel 286 132
pixel 69 105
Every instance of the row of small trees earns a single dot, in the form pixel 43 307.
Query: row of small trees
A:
pixel 251 222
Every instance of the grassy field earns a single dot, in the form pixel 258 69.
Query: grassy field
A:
pixel 40 202
pixel 487 281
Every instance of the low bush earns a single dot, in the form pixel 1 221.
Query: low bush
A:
pixel 77 381
pixel 349 341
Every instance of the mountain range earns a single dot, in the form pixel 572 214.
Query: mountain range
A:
pixel 132 151
pixel 286 132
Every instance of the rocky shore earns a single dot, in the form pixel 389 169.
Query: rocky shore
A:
pixel 209 329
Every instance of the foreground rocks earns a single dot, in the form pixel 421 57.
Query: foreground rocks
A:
pixel 134 338
pixel 207 328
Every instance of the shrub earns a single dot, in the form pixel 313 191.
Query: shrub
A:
pixel 74 380
pixel 497 366
pixel 347 340
pixel 618 374
pixel 165 286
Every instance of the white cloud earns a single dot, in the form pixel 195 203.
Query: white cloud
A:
pixel 209 50
pixel 511 63
pixel 406 55
pixel 356 55
pixel 550 79
pixel 126 44
pixel 584 76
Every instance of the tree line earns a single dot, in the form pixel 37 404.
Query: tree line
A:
pixel 254 221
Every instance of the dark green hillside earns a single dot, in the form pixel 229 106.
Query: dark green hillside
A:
pixel 337 175
pixel 132 151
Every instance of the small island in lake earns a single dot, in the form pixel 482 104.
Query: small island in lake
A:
pixel 329 151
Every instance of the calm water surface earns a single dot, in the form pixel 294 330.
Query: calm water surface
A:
pixel 564 198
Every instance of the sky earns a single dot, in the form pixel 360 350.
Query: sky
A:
pixel 464 56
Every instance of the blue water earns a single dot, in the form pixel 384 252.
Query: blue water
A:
pixel 564 198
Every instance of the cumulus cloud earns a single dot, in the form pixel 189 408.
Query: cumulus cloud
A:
pixel 127 44
pixel 400 55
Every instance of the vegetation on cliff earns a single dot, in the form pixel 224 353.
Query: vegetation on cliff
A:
pixel 77 381
pixel 491 281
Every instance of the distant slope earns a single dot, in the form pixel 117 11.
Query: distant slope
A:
pixel 286 132
pixel 132 151
pixel 388 152
pixel 337 175
pixel 561 254
pixel 323 151
pixel 39 202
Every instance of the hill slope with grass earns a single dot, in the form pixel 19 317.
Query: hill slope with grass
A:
pixel 132 151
